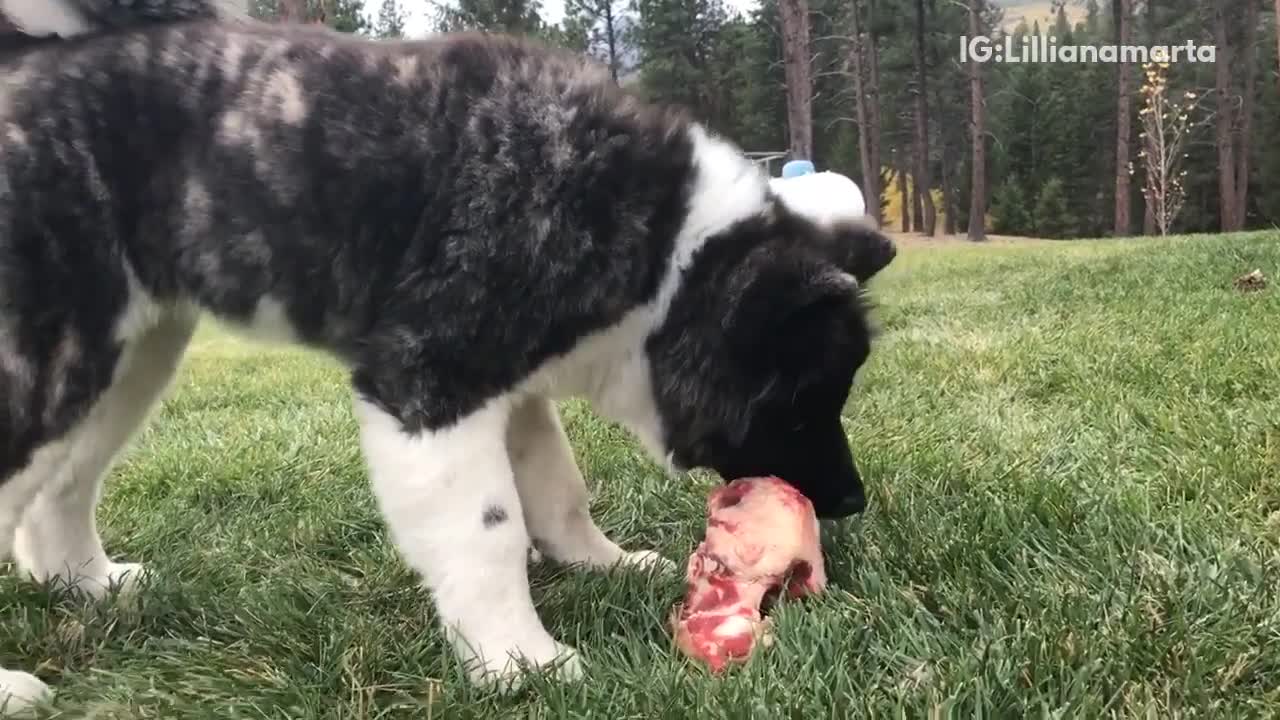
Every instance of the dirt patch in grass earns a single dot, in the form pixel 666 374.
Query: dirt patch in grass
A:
pixel 1251 282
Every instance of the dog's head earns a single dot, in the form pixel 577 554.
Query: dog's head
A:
pixel 755 358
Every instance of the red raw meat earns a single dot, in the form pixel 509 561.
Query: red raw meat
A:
pixel 762 536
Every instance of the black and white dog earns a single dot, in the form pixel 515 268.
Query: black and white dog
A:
pixel 474 225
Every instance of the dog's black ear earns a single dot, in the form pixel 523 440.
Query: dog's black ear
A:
pixel 788 312
pixel 862 251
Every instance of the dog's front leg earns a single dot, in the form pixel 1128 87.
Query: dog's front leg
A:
pixel 553 493
pixel 450 500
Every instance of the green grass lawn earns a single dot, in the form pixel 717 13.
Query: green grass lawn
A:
pixel 1073 459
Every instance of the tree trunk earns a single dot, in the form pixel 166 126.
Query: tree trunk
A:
pixel 1225 122
pixel 873 103
pixel 917 211
pixel 923 182
pixel 948 191
pixel 978 135
pixel 795 58
pixel 1244 146
pixel 870 167
pixel 947 180
pixel 611 28
pixel 902 191
pixel 1278 31
pixel 1122 12
pixel 917 208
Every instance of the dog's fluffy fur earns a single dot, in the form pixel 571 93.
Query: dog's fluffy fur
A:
pixel 473 224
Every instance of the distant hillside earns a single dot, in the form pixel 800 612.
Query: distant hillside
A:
pixel 1032 11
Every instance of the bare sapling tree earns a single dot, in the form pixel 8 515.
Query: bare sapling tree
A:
pixel 1168 119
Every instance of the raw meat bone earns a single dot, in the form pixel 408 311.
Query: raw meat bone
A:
pixel 762 534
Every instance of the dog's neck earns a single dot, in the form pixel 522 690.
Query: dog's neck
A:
pixel 611 368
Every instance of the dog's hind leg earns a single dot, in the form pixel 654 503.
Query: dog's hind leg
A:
pixel 20 690
pixel 57 539
pixel 553 493
pixel 47 503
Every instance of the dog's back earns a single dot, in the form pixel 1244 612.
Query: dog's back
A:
pixel 300 184
pixel 67 18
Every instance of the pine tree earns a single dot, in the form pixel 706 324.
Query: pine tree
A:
pixel 341 15
pixel 1052 219
pixel 1009 212
pixel 391 19
pixel 760 108
pixel 605 24
pixel 1061 26
pixel 677 40
pixel 516 17
pixel 1092 20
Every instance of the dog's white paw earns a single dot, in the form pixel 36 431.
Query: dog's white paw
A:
pixel 20 692
pixel 122 578
pixel 647 560
pixel 507 673
pixel 99 582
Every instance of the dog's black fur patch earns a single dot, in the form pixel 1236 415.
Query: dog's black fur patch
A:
pixel 493 515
